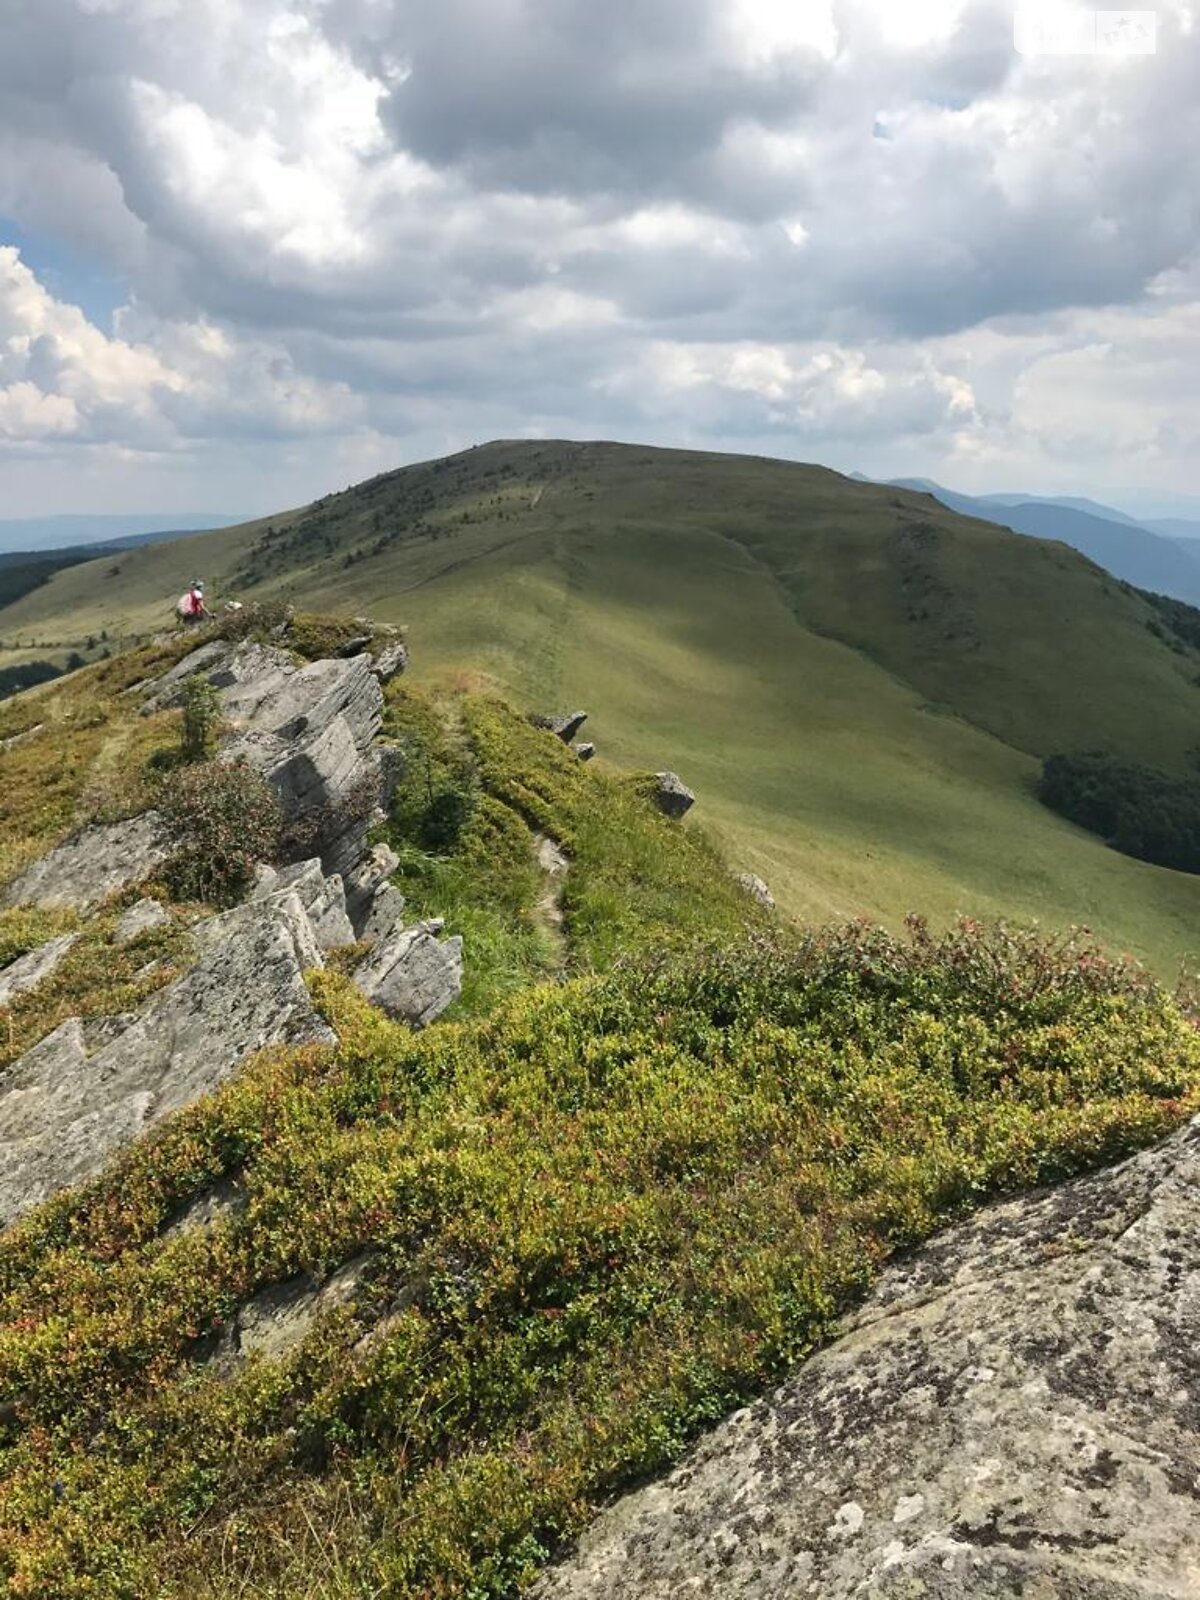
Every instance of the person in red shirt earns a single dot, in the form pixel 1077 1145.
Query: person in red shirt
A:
pixel 191 607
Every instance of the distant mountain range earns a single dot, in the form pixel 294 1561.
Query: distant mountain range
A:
pixel 1158 556
pixel 28 534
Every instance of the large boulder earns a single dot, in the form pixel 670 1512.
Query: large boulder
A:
pixel 1014 1412
pixel 96 864
pixel 71 1101
pixel 671 795
pixel 564 727
pixel 412 974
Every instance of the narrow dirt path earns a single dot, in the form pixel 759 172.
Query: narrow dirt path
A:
pixel 548 910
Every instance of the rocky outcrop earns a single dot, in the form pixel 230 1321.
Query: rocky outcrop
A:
pixel 585 752
pixel 1014 1412
pixel 71 1101
pixel 757 889
pixel 90 1087
pixel 29 970
pixel 412 974
pixel 310 729
pixel 563 727
pixel 323 899
pixel 671 795
pixel 96 864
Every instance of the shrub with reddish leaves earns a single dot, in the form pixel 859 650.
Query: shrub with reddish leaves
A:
pixel 224 819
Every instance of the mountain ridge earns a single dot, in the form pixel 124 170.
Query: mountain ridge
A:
pixel 861 683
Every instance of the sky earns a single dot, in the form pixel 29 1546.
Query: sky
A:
pixel 254 250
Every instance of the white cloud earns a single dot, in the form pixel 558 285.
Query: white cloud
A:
pixel 156 385
pixel 794 224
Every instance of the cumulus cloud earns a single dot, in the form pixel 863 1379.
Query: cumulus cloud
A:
pixel 824 227
pixel 151 385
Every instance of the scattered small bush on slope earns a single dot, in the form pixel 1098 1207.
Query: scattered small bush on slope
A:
pixel 201 719
pixel 224 820
pixel 26 676
pixel 595 1222
pixel 1141 812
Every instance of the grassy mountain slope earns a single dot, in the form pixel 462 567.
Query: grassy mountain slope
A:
pixel 857 681
pixel 578 1223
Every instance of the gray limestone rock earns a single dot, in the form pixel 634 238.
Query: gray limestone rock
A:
pixel 374 905
pixel 585 752
pixel 279 1318
pixel 308 728
pixel 65 1107
pixel 139 919
pixel 355 646
pixel 412 974
pixel 390 662
pixel 672 796
pixel 563 727
pixel 757 889
pixel 1014 1412
pixel 20 738
pixel 30 969
pixel 82 873
pixel 323 899
pixel 383 914
pixel 216 1203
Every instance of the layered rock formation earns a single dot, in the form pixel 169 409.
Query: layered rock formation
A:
pixel 311 731
pixel 1014 1412
pixel 78 1095
pixel 65 1106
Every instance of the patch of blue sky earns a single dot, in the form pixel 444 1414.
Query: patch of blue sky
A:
pixel 67 274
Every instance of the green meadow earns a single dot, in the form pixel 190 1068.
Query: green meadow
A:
pixel 858 684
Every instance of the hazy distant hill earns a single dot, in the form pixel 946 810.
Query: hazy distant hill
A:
pixel 1072 502
pixel 1176 527
pixel 858 681
pixel 59 533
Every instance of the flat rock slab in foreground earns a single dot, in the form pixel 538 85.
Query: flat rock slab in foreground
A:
pixel 1015 1412
pixel 64 1109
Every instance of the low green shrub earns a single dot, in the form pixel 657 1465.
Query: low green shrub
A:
pixel 223 819
pixel 593 1222
pixel 201 719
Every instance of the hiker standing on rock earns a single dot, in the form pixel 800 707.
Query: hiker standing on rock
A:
pixel 191 607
